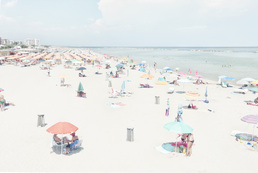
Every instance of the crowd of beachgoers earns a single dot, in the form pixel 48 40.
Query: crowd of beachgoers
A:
pixel 166 95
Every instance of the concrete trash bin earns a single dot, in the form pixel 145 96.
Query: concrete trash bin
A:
pixel 109 84
pixel 130 135
pixel 157 99
pixel 41 120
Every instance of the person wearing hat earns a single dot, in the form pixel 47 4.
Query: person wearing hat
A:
pixel 74 137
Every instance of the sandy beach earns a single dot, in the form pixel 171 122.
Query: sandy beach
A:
pixel 103 129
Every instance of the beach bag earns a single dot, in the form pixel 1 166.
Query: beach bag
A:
pixel 66 151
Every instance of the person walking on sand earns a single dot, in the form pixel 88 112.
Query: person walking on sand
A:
pixel 2 102
pixel 190 141
pixel 48 72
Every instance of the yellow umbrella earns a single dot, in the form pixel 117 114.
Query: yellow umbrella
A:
pixel 64 76
pixel 148 76
pixel 161 82
pixel 254 82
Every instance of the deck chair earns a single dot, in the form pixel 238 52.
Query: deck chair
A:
pixel 77 144
pixel 57 147
pixel 224 84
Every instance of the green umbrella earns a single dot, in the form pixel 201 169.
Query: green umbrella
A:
pixel 80 88
pixel 253 89
pixel 178 127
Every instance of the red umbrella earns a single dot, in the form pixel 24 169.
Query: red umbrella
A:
pixel 62 128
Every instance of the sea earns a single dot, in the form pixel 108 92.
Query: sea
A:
pixel 210 62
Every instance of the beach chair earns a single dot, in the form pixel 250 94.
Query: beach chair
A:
pixel 77 144
pixel 57 147
pixel 171 90
pixel 224 84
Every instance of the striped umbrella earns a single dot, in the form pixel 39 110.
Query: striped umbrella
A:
pixel 252 119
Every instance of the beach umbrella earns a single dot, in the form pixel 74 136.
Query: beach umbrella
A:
pixel 62 128
pixel 165 68
pixel 178 127
pixel 199 76
pixel 81 68
pixel 228 78
pixel 254 82
pixel 68 62
pixel 80 88
pixel 119 65
pixel 64 76
pixel 248 79
pixel 243 82
pixel 1 89
pixel 253 89
pixel 123 86
pixel 169 69
pixel 147 76
pixel 251 119
pixel 181 73
pixel 98 65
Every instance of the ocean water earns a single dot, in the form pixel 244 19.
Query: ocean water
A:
pixel 237 62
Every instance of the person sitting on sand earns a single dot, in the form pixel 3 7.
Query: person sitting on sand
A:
pixel 174 82
pixel 256 100
pixel 2 102
pixel 190 141
pixel 8 104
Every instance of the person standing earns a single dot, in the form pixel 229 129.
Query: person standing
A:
pixel 190 141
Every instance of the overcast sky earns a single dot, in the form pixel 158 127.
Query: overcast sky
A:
pixel 131 22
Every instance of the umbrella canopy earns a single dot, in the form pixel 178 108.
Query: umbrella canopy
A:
pixel 252 119
pixel 80 88
pixel 192 94
pixel 68 62
pixel 253 89
pixel 119 65
pixel 62 128
pixel 64 76
pixel 181 73
pixel 248 79
pixel 228 78
pixel 148 76
pixel 178 127
pixel 81 68
pixel 166 68
pixel 254 82
pixel 242 82
pixel 199 76
pixel 161 79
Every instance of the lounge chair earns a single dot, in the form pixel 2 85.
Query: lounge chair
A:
pixel 57 147
pixel 224 84
pixel 77 144
pixel 240 91
pixel 171 90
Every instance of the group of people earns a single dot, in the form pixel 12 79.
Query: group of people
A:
pixel 65 140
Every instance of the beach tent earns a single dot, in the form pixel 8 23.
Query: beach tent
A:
pixel 80 88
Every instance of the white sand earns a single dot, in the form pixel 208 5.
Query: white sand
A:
pixel 26 147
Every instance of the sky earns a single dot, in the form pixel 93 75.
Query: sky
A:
pixel 133 23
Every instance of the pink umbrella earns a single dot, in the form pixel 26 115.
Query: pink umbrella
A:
pixel 98 66
pixel 198 75
pixel 181 73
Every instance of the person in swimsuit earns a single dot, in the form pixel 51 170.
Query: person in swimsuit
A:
pixel 190 141
pixel 2 102
pixel 256 100
pixel 57 139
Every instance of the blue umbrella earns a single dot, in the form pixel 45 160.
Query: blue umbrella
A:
pixel 81 68
pixel 168 69
pixel 178 127
pixel 228 78
pixel 123 86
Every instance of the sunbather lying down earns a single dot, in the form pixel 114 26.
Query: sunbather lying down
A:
pixel 82 75
pixel 81 94
pixel 145 86
pixel 190 106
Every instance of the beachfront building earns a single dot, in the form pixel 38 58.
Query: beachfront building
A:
pixel 32 42
pixel 0 40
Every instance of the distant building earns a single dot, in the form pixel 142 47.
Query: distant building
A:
pixel 5 41
pixel 0 40
pixel 32 42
